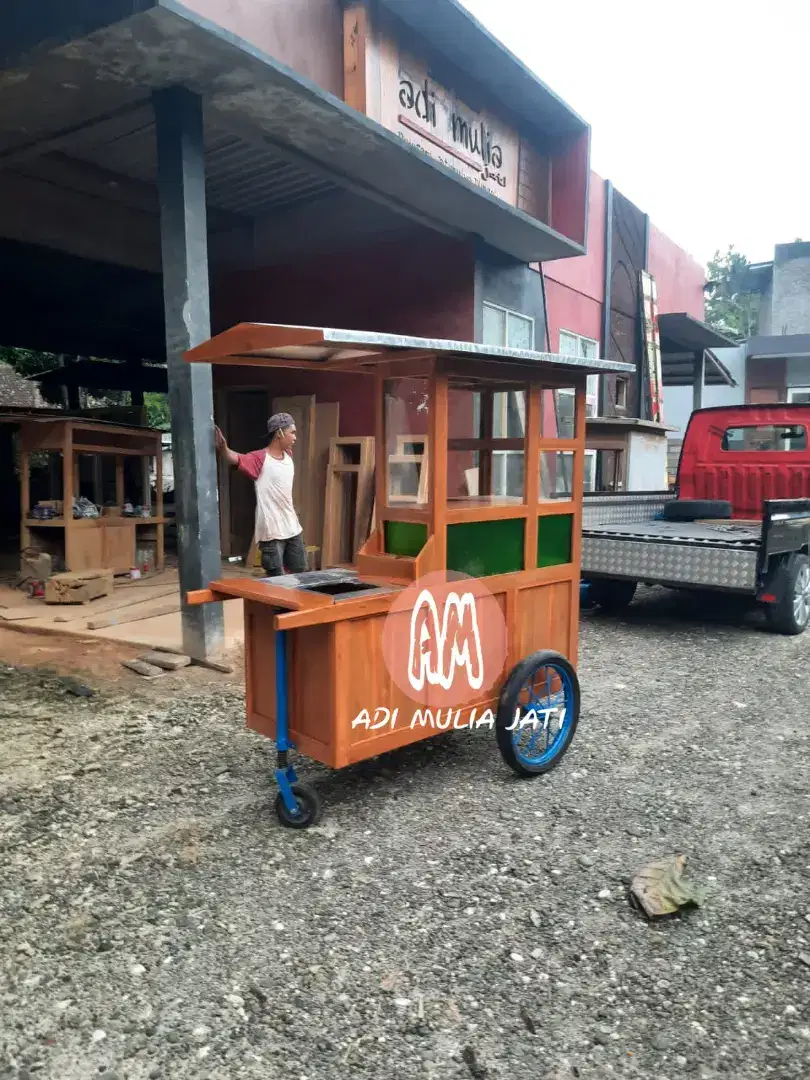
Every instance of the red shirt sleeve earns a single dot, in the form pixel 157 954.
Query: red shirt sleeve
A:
pixel 252 464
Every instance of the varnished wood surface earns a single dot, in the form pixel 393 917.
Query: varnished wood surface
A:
pixel 271 595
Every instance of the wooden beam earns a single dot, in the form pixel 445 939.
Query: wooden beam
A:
pixel 437 502
pixel 355 34
pixel 34 211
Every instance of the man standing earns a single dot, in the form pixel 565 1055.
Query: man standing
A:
pixel 278 530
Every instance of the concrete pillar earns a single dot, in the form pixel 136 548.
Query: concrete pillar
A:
pixel 184 245
pixel 698 378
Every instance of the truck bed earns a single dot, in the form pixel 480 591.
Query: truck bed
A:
pixel 725 534
pixel 624 536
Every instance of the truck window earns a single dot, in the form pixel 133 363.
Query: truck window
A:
pixel 765 437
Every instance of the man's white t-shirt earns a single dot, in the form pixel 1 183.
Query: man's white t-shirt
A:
pixel 276 518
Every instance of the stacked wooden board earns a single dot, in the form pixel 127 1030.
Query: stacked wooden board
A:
pixel 348 506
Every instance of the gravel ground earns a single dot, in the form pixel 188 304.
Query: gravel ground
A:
pixel 445 920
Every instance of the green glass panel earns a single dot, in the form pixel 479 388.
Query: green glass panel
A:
pixel 483 548
pixel 405 538
pixel 554 539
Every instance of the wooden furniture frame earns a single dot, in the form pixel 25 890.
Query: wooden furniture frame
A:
pixel 91 543
pixel 331 652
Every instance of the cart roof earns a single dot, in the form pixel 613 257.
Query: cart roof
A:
pixel 322 347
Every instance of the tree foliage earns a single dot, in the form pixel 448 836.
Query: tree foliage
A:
pixel 730 307
pixel 157 411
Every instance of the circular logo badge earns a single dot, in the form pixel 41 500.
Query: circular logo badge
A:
pixel 444 640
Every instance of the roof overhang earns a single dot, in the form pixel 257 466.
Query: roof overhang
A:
pixel 324 348
pixel 682 337
pixel 778 345
pixel 458 36
pixel 56 92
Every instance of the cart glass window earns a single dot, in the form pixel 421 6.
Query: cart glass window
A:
pixel 406 439
pixel 486 443
pixel 558 417
pixel 556 474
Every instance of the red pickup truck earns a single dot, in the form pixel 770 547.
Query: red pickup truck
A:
pixel 737 522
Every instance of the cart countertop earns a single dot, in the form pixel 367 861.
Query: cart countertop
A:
pixel 302 592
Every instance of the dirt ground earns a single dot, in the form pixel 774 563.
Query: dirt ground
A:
pixel 445 920
pixel 97 662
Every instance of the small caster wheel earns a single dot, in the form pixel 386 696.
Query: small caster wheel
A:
pixel 309 808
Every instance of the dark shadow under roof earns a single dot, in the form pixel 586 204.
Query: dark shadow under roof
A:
pixel 682 333
pixel 682 336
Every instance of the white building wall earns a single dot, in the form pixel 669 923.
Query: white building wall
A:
pixel 678 399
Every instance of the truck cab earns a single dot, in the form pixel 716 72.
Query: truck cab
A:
pixel 746 455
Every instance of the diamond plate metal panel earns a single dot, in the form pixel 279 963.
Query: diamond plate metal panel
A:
pixel 624 509
pixel 714 567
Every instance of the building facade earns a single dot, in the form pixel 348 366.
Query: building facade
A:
pixel 170 169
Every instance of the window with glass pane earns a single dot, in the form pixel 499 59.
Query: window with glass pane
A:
pixel 558 413
pixel 556 474
pixel 507 328
pixel 509 422
pixel 590 470
pixel 475 467
pixel 406 438
pixel 585 349
pixel 516 331
pixel 519 331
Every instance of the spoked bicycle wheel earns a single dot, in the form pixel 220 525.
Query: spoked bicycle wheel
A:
pixel 538 713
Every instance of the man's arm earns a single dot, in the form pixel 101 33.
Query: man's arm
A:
pixel 223 450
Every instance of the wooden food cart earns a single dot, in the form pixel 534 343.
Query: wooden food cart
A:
pixel 106 542
pixel 500 509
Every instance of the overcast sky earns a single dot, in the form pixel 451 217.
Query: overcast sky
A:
pixel 699 109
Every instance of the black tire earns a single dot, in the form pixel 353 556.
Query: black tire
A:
pixel 695 509
pixel 612 595
pixel 791 584
pixel 310 806
pixel 509 703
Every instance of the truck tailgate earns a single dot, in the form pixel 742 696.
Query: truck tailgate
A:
pixel 720 556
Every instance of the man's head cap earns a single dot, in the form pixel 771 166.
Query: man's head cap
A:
pixel 278 421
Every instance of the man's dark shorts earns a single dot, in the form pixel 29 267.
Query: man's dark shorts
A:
pixel 284 556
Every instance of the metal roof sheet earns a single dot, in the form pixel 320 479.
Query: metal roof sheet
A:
pixel 256 341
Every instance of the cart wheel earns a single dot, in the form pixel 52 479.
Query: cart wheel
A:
pixel 309 808
pixel 547 685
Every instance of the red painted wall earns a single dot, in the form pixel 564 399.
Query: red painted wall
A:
pixel 569 180
pixel 306 35
pixel 679 277
pixel 574 287
pixel 422 284
pixel 353 393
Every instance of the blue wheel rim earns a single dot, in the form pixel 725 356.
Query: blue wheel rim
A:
pixel 546 702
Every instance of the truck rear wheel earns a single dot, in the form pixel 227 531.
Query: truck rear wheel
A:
pixel 612 595
pixel 791 583
pixel 695 509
